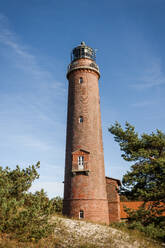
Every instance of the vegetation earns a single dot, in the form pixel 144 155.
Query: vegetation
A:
pixel 138 235
pixel 146 179
pixel 24 216
pixel 56 203
pixel 79 234
pixel 26 219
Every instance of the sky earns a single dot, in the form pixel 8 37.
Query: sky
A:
pixel 36 39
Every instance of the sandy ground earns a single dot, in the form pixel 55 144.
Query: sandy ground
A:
pixel 75 233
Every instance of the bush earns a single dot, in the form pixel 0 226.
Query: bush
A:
pixel 148 219
pixel 151 230
pixel 23 215
pixel 56 205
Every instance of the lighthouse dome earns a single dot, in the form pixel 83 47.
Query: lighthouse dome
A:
pixel 83 51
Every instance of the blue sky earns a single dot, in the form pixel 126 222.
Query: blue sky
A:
pixel 36 38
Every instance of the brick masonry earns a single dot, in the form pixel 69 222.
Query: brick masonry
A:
pixel 112 186
pixel 84 190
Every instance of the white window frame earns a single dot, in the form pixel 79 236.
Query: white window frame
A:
pixel 81 212
pixel 80 162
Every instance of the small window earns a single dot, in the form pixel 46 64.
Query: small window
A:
pixel 82 51
pixel 81 214
pixel 81 162
pixel 80 119
pixel 81 80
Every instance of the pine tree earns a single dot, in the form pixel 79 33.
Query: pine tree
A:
pixel 146 179
pixel 24 216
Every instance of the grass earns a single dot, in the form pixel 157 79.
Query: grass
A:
pixel 135 235
pixel 50 242
pixel 64 238
pixel 6 242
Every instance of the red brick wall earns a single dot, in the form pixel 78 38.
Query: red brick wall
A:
pixel 75 156
pixel 113 199
pixel 94 210
pixel 85 191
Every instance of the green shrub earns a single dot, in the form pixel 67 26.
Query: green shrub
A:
pixel 151 230
pixel 23 215
pixel 148 219
pixel 56 205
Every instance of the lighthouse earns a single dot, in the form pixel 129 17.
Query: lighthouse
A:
pixel 85 195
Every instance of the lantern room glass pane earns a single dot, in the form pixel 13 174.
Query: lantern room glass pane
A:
pixel 83 52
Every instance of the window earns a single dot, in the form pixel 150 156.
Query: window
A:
pixel 80 80
pixel 81 162
pixel 80 119
pixel 82 52
pixel 81 214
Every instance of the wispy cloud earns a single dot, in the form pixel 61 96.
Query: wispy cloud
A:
pixel 153 76
pixel 48 88
pixel 31 106
pixel 23 57
pixel 10 39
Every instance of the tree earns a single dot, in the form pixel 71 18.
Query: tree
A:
pixel 23 215
pixel 57 203
pixel 146 178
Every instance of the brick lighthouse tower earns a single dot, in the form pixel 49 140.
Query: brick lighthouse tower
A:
pixel 85 193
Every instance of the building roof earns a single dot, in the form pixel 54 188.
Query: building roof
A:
pixel 133 205
pixel 81 150
pixel 118 181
